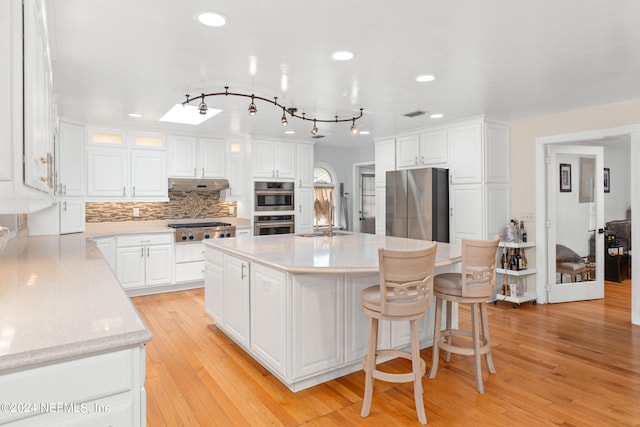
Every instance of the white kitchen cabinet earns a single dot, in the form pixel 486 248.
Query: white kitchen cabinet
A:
pixel 273 160
pixel 236 295
pixel 467 216
pixel 235 175
pixel 71 178
pixel 147 140
pixel 269 317
pixel 107 172
pixel 408 151
pixel 72 216
pixel 144 260
pixel 317 323
pixel 107 247
pixel 246 231
pixel 189 262
pixel 148 174
pixel 99 390
pixel 120 173
pixel 356 323
pixel 38 99
pixel 385 159
pixel 467 153
pixel 304 200
pixel 8 35
pixel 193 157
pixel 214 285
pixel 304 164
pixel 434 147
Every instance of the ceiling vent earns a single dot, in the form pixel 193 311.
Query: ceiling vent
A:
pixel 415 114
pixel 317 136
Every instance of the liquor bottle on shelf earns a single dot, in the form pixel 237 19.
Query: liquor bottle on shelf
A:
pixel 503 261
pixel 522 232
pixel 512 261
pixel 505 286
pixel 524 259
pixel 518 260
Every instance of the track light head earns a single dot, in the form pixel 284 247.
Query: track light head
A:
pixel 202 108
pixel 354 129
pixel 252 107
pixel 284 120
pixel 315 128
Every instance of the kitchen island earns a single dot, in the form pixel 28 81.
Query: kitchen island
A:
pixel 72 346
pixel 293 302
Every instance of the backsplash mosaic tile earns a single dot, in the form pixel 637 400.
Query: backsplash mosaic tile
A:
pixel 181 205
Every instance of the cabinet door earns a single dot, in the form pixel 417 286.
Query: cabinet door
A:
pixel 467 219
pixel 317 323
pixel 236 299
pixel 7 118
pixel 497 153
pixel 107 172
pixel 408 151
pixel 268 317
pixel 304 212
pixel 385 158
pixel 72 216
pixel 182 156
pixel 434 149
pixel 130 266
pixel 235 175
pixel 356 323
pixel 213 292
pixel 284 156
pixel 148 174
pixel 211 157
pixel 71 158
pixel 159 262
pixel 263 161
pixel 305 165
pixel 466 153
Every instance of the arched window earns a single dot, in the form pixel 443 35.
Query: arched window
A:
pixel 324 197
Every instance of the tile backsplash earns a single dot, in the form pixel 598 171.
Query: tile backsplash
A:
pixel 181 205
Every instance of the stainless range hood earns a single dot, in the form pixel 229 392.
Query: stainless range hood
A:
pixel 196 184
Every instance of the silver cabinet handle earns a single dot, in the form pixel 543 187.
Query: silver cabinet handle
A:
pixel 194 172
pixel 422 159
pixel 147 252
pixel 416 161
pixel 124 190
pixel 133 193
pixel 64 191
pixel 203 172
pixel 141 252
pixel 64 205
pixel 300 208
pixel 242 273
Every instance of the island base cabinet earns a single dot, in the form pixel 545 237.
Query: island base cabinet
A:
pixel 214 285
pixel 236 299
pixel 317 323
pixel 269 317
pixel 107 389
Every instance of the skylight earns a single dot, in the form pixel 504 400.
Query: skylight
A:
pixel 187 115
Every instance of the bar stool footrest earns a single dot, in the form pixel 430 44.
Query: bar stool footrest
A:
pixel 466 351
pixel 395 378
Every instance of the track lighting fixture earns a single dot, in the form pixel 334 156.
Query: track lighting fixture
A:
pixel 202 108
pixel 253 110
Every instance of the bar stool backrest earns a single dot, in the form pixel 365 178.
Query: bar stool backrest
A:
pixel 479 258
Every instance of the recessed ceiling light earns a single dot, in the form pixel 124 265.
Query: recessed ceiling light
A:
pixel 135 115
pixel 342 55
pixel 212 19
pixel 187 115
pixel 425 78
pixel 437 116
pixel 290 132
pixel 364 132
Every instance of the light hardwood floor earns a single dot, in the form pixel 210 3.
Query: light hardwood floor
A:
pixel 574 364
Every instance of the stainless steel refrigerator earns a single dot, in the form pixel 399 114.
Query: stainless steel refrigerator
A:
pixel 418 204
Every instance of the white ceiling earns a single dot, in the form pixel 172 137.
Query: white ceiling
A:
pixel 502 58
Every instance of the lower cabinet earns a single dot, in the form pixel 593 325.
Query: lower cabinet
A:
pixel 236 298
pixel 144 260
pixel 317 323
pixel 269 316
pixel 106 389
pixel 189 262
pixel 214 286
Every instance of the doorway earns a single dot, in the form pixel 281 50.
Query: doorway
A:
pixel 544 281
pixel 364 197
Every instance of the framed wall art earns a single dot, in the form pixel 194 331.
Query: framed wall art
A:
pixel 565 177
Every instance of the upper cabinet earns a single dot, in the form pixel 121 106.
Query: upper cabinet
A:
pixel 273 160
pixel 71 177
pixel 385 158
pixel 419 150
pixel 39 111
pixel 304 164
pixel 193 157
pixel 117 172
pixel 466 153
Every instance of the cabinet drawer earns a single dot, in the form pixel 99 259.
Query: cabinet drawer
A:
pixel 80 380
pixel 190 272
pixel 144 239
pixel 189 252
pixel 213 256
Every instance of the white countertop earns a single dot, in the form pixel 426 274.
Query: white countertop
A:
pixel 101 229
pixel 353 253
pixel 60 300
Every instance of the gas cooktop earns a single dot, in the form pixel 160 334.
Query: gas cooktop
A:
pixel 197 231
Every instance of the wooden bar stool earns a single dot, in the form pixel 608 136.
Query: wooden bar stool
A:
pixel 404 293
pixel 474 285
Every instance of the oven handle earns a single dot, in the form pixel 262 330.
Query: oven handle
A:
pixel 272 192
pixel 271 223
